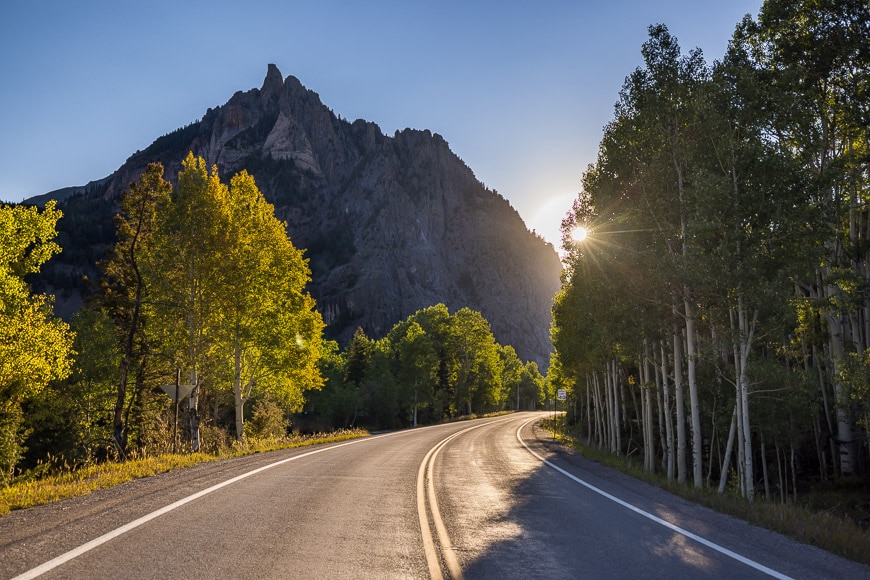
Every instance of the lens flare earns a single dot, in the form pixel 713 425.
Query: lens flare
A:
pixel 579 234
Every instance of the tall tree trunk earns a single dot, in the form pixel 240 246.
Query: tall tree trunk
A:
pixel 779 473
pixel 611 408
pixel 845 422
pixel 129 342
pixel 669 420
pixel 238 395
pixel 835 457
pixel 193 400
pixel 600 435
pixel 617 415
pixel 681 408
pixel 746 331
pixel 649 435
pixel 588 408
pixel 697 437
pixel 729 449
pixel 793 471
pixel 660 412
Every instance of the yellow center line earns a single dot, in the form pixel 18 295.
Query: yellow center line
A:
pixel 426 491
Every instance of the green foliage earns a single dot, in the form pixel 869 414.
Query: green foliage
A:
pixel 35 347
pixel 855 374
pixel 430 367
pixel 267 420
pixel 72 420
pixel 12 433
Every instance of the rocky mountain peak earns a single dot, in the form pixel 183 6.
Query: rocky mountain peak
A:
pixel 391 224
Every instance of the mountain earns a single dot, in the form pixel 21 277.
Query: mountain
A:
pixel 391 224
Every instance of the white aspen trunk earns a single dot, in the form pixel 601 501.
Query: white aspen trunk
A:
pixel 729 449
pixel 738 402
pixel 588 409
pixel 809 363
pixel 599 412
pixel 714 438
pixel 638 410
pixel 669 420
pixel 238 396
pixel 643 431
pixel 748 474
pixel 649 439
pixel 623 408
pixel 695 409
pixel 617 417
pixel 193 409
pixel 835 457
pixel 681 408
pixel 663 443
pixel 193 399
pixel 845 427
pixel 611 408
pixel 604 401
pixel 641 413
pixel 746 333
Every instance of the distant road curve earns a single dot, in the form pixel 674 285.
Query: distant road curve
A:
pixel 490 498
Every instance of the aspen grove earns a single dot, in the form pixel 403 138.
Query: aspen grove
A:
pixel 715 318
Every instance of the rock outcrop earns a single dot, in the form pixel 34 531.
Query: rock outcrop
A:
pixel 391 224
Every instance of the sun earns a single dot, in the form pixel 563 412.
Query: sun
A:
pixel 579 234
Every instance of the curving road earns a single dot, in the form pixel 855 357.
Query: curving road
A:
pixel 491 498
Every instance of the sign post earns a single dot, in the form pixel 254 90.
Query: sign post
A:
pixel 176 392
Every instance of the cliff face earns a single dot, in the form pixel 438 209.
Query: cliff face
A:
pixel 391 224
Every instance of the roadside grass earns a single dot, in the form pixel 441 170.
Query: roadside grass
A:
pixel 806 521
pixel 28 491
pixel 473 416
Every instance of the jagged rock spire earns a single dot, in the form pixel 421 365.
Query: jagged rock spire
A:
pixel 273 82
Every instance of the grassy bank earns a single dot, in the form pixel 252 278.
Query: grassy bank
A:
pixel 32 491
pixel 822 524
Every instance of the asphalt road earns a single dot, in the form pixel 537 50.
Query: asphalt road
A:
pixel 492 498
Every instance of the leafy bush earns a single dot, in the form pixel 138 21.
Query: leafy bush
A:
pixel 11 437
pixel 267 420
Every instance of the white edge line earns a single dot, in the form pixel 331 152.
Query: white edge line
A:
pixel 76 552
pixel 658 520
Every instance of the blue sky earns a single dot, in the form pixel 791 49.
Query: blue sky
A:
pixel 520 90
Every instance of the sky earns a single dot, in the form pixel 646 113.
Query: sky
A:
pixel 521 90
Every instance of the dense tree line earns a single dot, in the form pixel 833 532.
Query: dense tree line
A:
pixel 716 318
pixel 430 367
